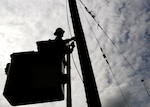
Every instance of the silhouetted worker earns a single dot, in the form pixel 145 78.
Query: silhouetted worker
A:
pixel 63 43
pixel 55 50
pixel 64 46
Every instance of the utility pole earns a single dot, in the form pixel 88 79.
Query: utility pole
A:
pixel 91 91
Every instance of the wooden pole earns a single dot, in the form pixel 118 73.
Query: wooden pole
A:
pixel 91 91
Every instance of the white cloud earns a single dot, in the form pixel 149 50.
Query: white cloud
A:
pixel 126 22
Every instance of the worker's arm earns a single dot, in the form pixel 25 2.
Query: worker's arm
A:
pixel 68 40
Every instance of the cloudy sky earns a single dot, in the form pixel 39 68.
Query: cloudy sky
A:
pixel 126 22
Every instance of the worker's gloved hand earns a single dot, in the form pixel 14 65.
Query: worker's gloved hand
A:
pixel 72 45
pixel 73 38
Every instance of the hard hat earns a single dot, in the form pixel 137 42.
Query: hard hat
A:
pixel 59 31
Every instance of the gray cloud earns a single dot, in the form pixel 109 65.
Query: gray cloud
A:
pixel 126 22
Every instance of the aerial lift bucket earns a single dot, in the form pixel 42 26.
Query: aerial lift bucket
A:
pixel 35 77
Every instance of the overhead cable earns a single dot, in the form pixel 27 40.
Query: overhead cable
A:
pixel 145 87
pixel 72 36
pixel 93 16
pixel 104 56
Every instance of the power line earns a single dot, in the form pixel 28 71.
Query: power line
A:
pixel 145 88
pixel 93 33
pixel 117 83
pixel 76 68
pixel 93 16
pixel 72 36
pixel 68 18
pixel 108 64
